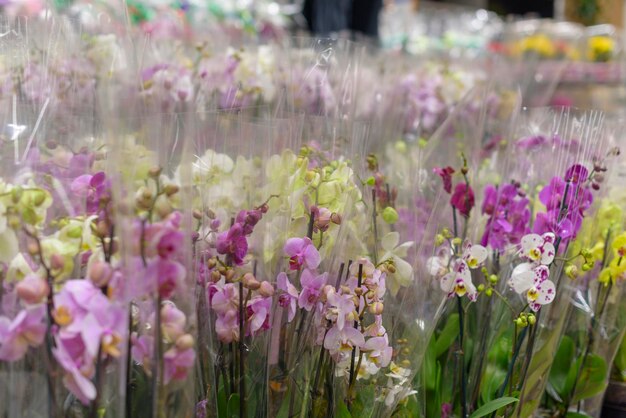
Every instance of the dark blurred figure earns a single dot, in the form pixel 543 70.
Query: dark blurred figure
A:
pixel 358 16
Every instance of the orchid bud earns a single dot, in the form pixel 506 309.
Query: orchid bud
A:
pixel 587 266
pixel 230 274
pixel 163 207
pixel 370 294
pixel 154 172
pixel 14 221
pixel 75 231
pixel 250 282
pixel 215 224
pixel 390 215
pixel 335 218
pixel 211 262
pixel 16 194
pixel 532 320
pixel 376 308
pixel 481 287
pixel 32 289
pixel 264 208
pixel 571 271
pixel 456 241
pixel 493 279
pixel 99 272
pixel 391 268
pixel 489 292
pixel 345 289
pixel 197 214
pixel 215 276
pixel 57 262
pixel 464 170
pixel 328 290
pixel 102 229
pixel 33 248
pixel 438 240
pixel 170 189
pixel 210 214
pixel 38 197
pixel 184 342
pixel 266 289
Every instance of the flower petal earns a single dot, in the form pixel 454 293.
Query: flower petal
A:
pixel 547 292
pixel 530 241
pixel 522 278
pixel 390 241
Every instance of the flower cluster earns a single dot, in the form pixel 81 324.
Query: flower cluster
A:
pixel 509 215
pixel 566 199
pixel 531 278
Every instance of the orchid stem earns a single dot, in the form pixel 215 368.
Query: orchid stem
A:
pixel 242 377
pixel 462 359
pixel 353 356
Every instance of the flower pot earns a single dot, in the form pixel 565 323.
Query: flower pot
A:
pixel 615 400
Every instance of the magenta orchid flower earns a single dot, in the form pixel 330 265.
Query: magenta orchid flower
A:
pixel 233 243
pixel 302 252
pixel 446 176
pixel 166 275
pixel 92 188
pixel 462 199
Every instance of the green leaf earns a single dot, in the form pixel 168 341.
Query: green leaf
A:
pixel 430 366
pixel 448 334
pixel 493 406
pixel 283 412
pixel 620 358
pixel 221 403
pixel 342 411
pixel 592 379
pixel 577 415
pixel 562 366
pixel 492 380
pixel 233 406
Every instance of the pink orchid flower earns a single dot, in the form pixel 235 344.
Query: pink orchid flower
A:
pixel 168 275
pixel 227 327
pixel 27 329
pixel 258 312
pixel 32 289
pixel 302 252
pixel 177 363
pixel 78 372
pixel 378 351
pixel 289 297
pixel 173 321
pixel 340 307
pixel 226 299
pixel 340 341
pixel 311 288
